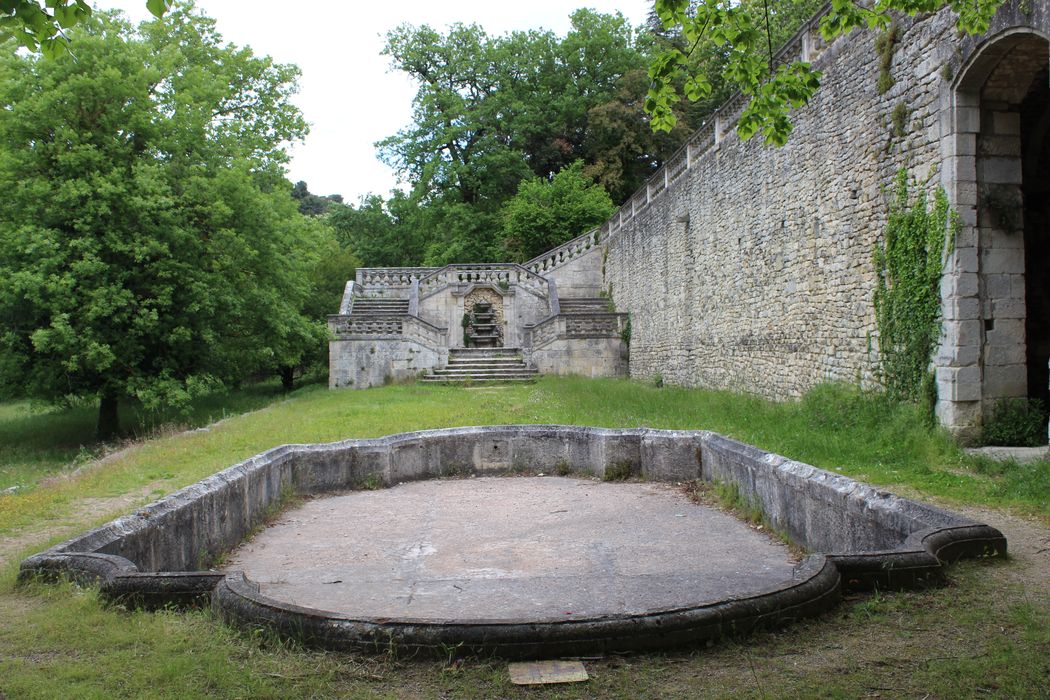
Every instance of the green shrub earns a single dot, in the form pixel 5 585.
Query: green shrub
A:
pixel 1016 422
pixel 617 471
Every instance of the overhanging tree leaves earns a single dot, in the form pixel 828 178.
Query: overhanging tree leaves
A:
pixel 43 27
pixel 148 243
pixel 746 32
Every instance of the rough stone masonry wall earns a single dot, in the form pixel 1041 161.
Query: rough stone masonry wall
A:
pixel 754 270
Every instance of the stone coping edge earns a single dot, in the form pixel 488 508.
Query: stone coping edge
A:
pixel 814 589
pixel 159 555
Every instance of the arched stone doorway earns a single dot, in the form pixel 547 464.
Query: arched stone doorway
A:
pixel 997 290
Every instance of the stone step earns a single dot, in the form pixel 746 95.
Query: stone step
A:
pixel 483 362
pixel 483 365
pixel 483 352
pixel 464 380
pixel 484 374
pixel 360 305
pixel 575 305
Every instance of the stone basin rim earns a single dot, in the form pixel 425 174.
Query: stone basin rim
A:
pixel 869 537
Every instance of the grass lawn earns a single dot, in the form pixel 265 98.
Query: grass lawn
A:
pixel 985 635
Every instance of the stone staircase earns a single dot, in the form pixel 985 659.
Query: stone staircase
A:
pixel 483 365
pixel 378 306
pixel 584 305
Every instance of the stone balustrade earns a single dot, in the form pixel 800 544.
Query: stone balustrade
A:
pixel 567 251
pixel 416 329
pixel 568 326
pixel 805 45
pixel 499 274
pixel 347 303
pixel 343 327
pixel 372 279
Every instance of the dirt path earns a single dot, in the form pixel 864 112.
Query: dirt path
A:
pixel 83 513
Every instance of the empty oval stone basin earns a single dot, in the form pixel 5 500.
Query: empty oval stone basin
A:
pixel 525 548
pixel 495 563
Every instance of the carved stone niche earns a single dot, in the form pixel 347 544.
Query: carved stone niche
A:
pixel 483 294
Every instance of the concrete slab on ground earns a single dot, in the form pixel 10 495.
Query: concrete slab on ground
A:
pixel 509 548
pixel 1021 455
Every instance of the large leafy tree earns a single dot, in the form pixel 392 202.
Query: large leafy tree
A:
pixel 545 213
pixel 149 245
pixel 746 34
pixel 491 112
pixel 381 234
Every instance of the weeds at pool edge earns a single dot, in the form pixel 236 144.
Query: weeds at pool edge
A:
pixel 727 497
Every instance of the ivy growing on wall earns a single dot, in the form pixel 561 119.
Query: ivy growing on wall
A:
pixel 907 293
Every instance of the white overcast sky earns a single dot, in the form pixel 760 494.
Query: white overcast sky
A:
pixel 347 92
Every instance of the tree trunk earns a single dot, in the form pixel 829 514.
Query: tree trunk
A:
pixel 288 378
pixel 108 417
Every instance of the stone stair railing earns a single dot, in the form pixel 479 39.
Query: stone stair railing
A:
pixel 388 281
pixel 347 302
pixel 433 337
pixel 806 45
pixel 499 274
pixel 567 252
pixel 607 324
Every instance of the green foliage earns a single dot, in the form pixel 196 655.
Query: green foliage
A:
pixel 148 243
pixel 311 204
pixel 744 32
pixel 885 43
pixel 42 27
pixel 907 294
pixel 1016 422
pixel 625 334
pixel 617 471
pixel 381 234
pixel 492 112
pixel 899 120
pixel 545 213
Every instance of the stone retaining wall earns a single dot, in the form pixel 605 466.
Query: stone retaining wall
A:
pixel 750 267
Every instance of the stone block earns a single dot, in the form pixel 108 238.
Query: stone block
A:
pixel 959 285
pixel 1002 260
pixel 1006 123
pixel 966 194
pixel 965 144
pixel 1005 381
pixel 951 355
pixel 965 168
pixel 968 333
pixel 1000 286
pixel 967 119
pixel 1001 146
pixel 964 260
pixel 998 238
pixel 958 416
pixel 961 309
pixel 1007 308
pixel 999 170
pixel 1001 355
pixel 959 383
pixel 1007 331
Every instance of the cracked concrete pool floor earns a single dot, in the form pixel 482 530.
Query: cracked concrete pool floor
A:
pixel 509 548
